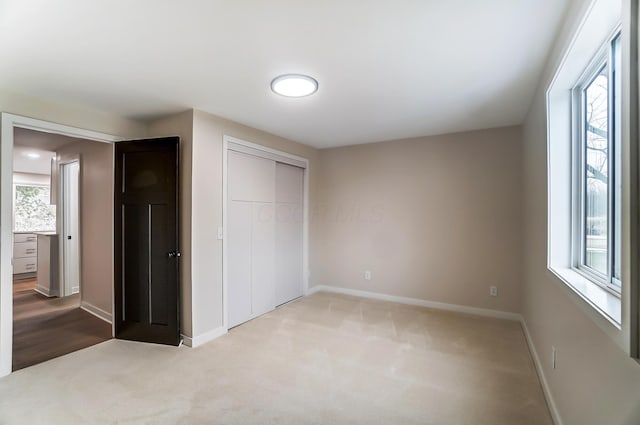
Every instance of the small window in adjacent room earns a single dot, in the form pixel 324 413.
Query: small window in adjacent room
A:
pixel 32 211
pixel 597 176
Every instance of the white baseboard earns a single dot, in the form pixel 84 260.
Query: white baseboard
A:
pixel 416 301
pixel 186 340
pixel 204 338
pixel 45 291
pixel 96 311
pixel 553 409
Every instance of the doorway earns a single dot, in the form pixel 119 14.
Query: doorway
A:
pixel 8 311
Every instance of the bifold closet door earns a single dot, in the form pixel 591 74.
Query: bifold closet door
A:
pixel 288 231
pixel 250 237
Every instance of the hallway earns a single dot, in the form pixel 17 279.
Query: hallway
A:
pixel 45 328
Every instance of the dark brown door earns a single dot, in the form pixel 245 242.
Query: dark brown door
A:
pixel 146 240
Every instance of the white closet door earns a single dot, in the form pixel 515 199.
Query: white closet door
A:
pixel 250 233
pixel 239 261
pixel 262 237
pixel 288 232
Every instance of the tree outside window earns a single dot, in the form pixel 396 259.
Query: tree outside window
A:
pixel 32 211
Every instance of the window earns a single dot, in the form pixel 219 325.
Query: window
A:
pixel 32 211
pixel 597 180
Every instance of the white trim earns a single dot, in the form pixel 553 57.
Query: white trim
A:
pixel 553 409
pixel 199 340
pixel 251 148
pixel 186 340
pixel 47 292
pixel 226 140
pixel 485 312
pixel 9 122
pixel 97 311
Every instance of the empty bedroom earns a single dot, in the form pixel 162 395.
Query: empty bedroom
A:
pixel 334 212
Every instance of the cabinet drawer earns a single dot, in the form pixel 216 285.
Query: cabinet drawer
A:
pixel 24 237
pixel 25 249
pixel 25 265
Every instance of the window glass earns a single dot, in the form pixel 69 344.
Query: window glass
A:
pixel 596 185
pixel 32 211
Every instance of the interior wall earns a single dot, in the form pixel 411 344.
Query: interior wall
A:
pixel 182 125
pixel 206 260
pixel 595 382
pixel 433 218
pixel 96 219
pixel 71 115
pixel 31 178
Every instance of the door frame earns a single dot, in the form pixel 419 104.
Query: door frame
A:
pixel 62 211
pixel 268 153
pixel 8 123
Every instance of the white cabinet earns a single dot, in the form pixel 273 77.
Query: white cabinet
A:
pixel 47 279
pixel 25 253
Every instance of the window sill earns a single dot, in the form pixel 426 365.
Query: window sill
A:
pixel 603 301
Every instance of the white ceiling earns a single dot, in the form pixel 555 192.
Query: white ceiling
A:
pixel 387 69
pixel 36 142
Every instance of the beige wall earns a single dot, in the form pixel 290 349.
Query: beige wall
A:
pixel 434 218
pixel 595 381
pixel 182 125
pixel 71 115
pixel 96 219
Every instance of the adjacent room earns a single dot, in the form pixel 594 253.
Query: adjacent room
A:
pixel 52 315
pixel 362 212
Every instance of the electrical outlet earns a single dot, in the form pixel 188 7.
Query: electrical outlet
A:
pixel 554 356
pixel 367 275
pixel 493 291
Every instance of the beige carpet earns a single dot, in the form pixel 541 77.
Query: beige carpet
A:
pixel 324 359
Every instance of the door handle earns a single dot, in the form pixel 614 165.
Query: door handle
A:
pixel 69 237
pixel 174 254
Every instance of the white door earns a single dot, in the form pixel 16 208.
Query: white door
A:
pixel 71 227
pixel 250 236
pixel 288 231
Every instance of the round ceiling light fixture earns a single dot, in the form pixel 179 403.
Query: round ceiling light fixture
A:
pixel 294 85
pixel 33 155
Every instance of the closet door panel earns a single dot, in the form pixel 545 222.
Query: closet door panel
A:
pixel 263 179
pixel 239 275
pixel 262 255
pixel 288 232
pixel 241 176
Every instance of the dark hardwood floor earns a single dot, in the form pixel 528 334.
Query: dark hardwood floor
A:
pixel 45 328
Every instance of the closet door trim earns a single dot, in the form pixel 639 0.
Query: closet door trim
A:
pixel 264 152
pixel 243 146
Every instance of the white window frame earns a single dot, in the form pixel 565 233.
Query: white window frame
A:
pixel 604 58
pixel 598 25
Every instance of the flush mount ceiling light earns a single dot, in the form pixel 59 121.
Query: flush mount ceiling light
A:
pixel 33 155
pixel 294 85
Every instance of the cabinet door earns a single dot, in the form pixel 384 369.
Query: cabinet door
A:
pixel 25 249
pixel 25 265
pixel 24 237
